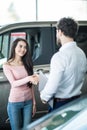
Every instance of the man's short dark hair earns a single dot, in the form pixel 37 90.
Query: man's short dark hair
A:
pixel 68 26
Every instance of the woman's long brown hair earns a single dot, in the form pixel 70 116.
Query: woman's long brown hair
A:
pixel 26 59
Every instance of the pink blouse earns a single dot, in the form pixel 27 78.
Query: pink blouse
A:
pixel 18 78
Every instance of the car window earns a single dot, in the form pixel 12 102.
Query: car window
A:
pixel 5 46
pixel 4 49
pixel 0 42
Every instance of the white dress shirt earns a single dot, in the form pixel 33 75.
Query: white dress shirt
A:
pixel 67 72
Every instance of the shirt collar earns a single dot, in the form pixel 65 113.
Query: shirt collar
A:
pixel 68 45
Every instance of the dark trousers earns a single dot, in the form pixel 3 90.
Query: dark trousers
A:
pixel 58 104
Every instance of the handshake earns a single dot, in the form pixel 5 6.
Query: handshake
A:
pixel 34 79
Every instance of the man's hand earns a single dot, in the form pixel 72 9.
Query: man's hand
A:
pixel 43 101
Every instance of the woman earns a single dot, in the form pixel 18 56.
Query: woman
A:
pixel 19 70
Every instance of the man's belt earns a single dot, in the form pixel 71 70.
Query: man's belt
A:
pixel 65 99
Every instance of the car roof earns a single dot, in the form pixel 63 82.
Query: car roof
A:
pixel 20 25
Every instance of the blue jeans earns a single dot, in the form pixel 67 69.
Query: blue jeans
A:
pixel 20 114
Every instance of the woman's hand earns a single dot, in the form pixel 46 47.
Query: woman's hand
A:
pixel 34 79
pixel 34 110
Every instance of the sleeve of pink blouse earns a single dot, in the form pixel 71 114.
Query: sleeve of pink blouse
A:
pixel 11 79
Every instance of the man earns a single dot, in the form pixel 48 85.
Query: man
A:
pixel 67 68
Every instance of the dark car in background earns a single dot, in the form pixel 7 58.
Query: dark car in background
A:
pixel 41 37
